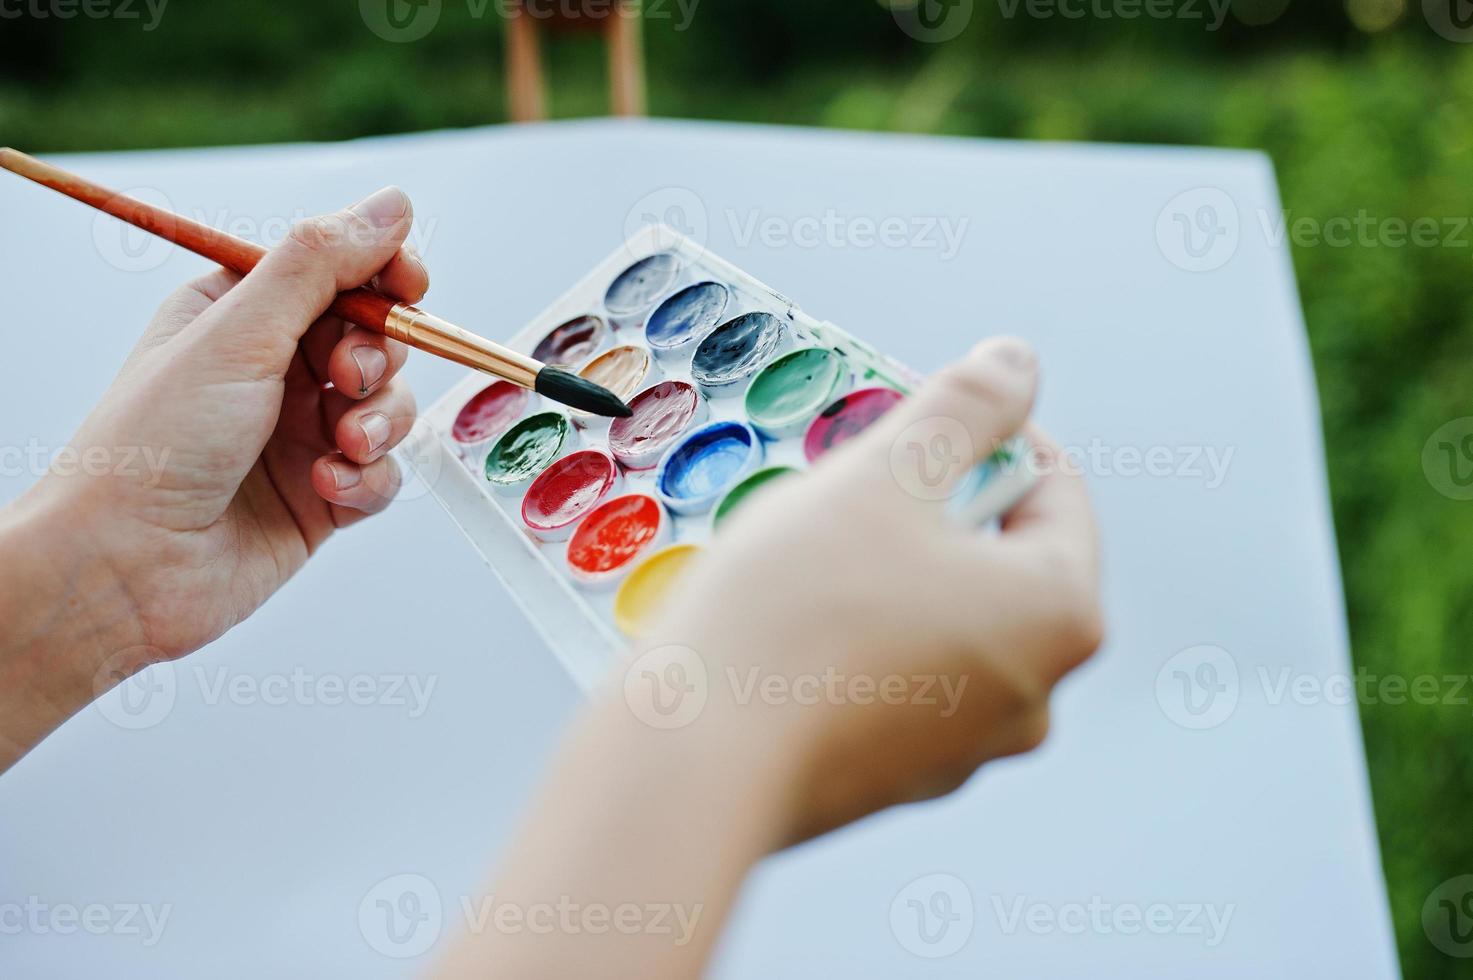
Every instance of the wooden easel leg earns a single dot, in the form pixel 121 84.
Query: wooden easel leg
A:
pixel 526 92
pixel 626 60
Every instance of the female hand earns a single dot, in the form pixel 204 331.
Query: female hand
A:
pixel 846 623
pixel 228 460
pixel 843 647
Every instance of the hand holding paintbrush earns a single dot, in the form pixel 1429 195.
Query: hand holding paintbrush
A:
pixel 217 461
pixel 371 310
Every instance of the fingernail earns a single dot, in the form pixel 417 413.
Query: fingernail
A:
pixel 1014 353
pixel 371 367
pixel 345 477
pixel 424 269
pixel 383 208
pixel 375 426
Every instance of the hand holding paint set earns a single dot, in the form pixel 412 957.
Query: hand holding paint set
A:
pixel 589 522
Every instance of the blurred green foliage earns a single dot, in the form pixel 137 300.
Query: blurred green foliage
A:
pixel 1381 124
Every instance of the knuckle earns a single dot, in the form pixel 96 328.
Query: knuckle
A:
pixel 403 405
pixel 358 231
pixel 1074 620
pixel 318 234
pixel 949 780
pixel 1077 623
pixel 408 411
pixel 1032 731
pixel 1084 631
pixel 384 480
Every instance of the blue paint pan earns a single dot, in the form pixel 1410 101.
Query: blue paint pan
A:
pixel 702 467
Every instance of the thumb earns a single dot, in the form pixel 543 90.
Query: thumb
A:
pixel 258 323
pixel 957 418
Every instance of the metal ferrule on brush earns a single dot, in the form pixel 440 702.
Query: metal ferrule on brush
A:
pixel 428 332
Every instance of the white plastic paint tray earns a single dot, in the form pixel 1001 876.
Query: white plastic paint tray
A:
pixel 577 622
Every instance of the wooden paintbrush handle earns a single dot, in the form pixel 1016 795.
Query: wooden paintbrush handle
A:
pixel 400 321
pixel 361 306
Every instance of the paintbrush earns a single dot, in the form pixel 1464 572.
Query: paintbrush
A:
pixel 371 310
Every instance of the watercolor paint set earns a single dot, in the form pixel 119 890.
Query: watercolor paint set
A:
pixel 588 521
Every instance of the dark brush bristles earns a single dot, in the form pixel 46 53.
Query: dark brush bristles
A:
pixel 569 389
